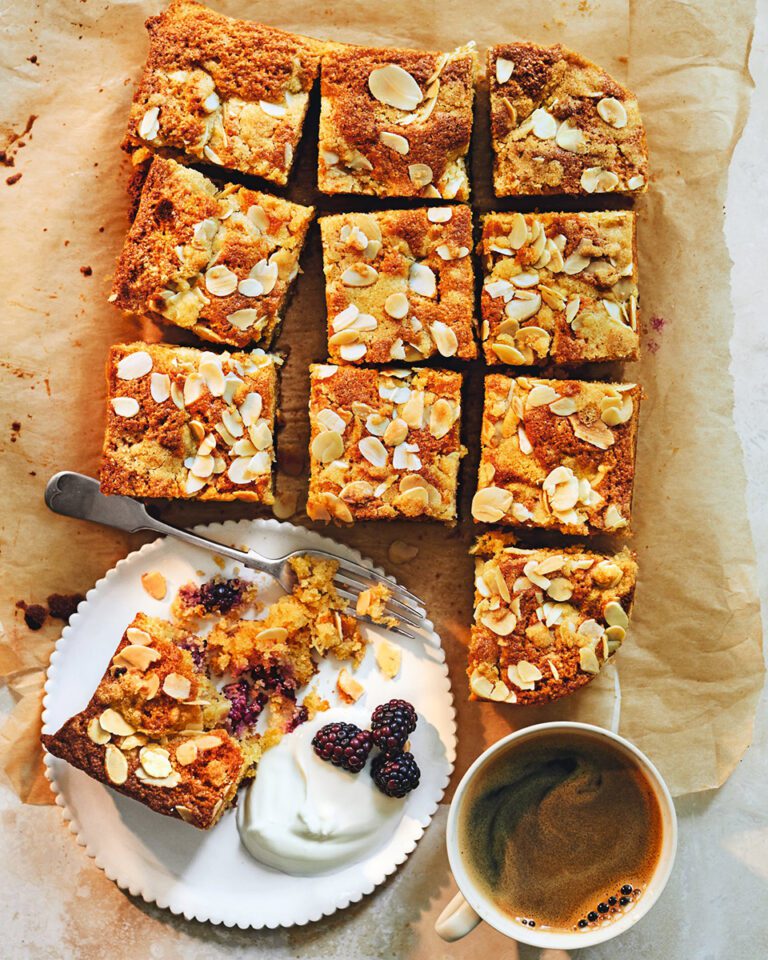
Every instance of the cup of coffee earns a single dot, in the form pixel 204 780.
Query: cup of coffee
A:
pixel 561 835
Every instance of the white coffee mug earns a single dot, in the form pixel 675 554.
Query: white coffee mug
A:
pixel 470 906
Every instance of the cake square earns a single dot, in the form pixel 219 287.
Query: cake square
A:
pixel 187 423
pixel 218 90
pixel 384 444
pixel 217 262
pixel 559 287
pixel 396 123
pixel 547 620
pixel 153 729
pixel 557 454
pixel 399 284
pixel 561 125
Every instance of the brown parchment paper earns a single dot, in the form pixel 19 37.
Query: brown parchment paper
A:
pixel 691 670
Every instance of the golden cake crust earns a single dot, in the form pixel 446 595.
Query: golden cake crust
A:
pixel 152 729
pixel 165 447
pixel 217 262
pixel 426 158
pixel 557 454
pixel 559 287
pixel 384 444
pixel 412 281
pixel 561 125
pixel 546 621
pixel 206 77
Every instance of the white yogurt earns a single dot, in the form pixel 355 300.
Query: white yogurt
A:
pixel 303 816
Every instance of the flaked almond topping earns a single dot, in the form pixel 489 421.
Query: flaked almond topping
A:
pixel 508 354
pixel 441 418
pixel 114 722
pixel 395 433
pixel 420 174
pixel 125 406
pixel 266 273
pixel 569 137
pixel 272 634
pixel 491 504
pixel 396 305
pixel 352 352
pixel 388 658
pixel 613 518
pixel 404 457
pixel 376 424
pixel 523 308
pixel 439 214
pixel 250 408
pixel 115 765
pixel 134 365
pixel 613 415
pixel 136 657
pixel 504 69
pixel 177 395
pixel 150 685
pixel 563 407
pixel 193 388
pixel 598 180
pixel 528 672
pixel 131 743
pixel 607 573
pixel 349 688
pixel 330 420
pixel 613 112
pixel 361 275
pixel 220 281
pixel 257 217
pixel 138 636
pixel 327 446
pixel 160 387
pixel 97 733
pixel 212 374
pixel 596 433
pixel 543 124
pixel 501 622
pixel 614 614
pixel 445 339
pixel 542 395
pixel 422 280
pixel 588 660
pixel 373 450
pixel 149 126
pixel 480 685
pixel 275 110
pixel 395 87
pixel 395 142
pixel 412 410
pixel 186 753
pixel 177 686
pixel 560 589
pixel 636 182
pixel 172 780
pixel 156 761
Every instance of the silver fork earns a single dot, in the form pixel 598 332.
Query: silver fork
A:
pixel 75 495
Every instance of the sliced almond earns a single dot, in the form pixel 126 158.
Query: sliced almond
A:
pixel 156 761
pixel 491 504
pixel 327 446
pixel 395 142
pixel 115 765
pixel 177 686
pixel 373 450
pixel 588 660
pixel 134 365
pixel 598 180
pixel 155 584
pixel 613 112
pixel 504 69
pixel 136 657
pixel 388 658
pixel 97 733
pixel 445 339
pixel 220 281
pixel 441 418
pixel 114 722
pixel 125 406
pixel 395 87
pixel 186 753
pixel 396 305
pixel 528 672
pixel 361 275
pixel 422 280
pixel 349 688
pixel 615 615
pixel 272 635
pixel 420 174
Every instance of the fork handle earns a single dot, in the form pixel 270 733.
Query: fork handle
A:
pixel 75 495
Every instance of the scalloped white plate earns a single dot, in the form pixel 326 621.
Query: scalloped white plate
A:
pixel 208 875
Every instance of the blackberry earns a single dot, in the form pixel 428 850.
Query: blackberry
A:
pixel 245 708
pixel 221 595
pixel 395 775
pixel 391 723
pixel 344 745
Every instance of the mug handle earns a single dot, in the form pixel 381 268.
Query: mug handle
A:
pixel 457 919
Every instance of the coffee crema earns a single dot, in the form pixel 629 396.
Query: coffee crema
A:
pixel 557 828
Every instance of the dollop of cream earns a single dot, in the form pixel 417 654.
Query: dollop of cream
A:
pixel 304 816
